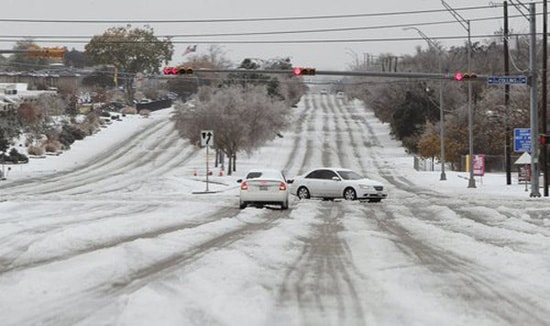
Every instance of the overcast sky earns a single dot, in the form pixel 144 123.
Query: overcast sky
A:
pixel 329 54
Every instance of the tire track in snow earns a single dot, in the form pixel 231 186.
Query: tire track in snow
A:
pixel 320 283
pixel 110 160
pixel 465 279
pixel 301 126
pixel 112 153
pixel 100 294
pixel 115 241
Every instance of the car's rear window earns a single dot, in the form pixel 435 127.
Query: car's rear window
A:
pixel 263 174
pixel 254 175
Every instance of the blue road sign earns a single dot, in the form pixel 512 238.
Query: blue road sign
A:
pixel 522 140
pixel 506 80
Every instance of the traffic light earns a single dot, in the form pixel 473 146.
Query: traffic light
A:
pixel 544 139
pixel 178 71
pixel 464 76
pixel 299 71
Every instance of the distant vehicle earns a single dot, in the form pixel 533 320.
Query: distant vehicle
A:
pixel 340 95
pixel 324 92
pixel 264 187
pixel 331 183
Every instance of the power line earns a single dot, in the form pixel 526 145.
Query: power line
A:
pixel 231 20
pixel 306 41
pixel 303 31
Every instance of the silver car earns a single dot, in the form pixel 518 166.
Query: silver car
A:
pixel 263 187
pixel 330 183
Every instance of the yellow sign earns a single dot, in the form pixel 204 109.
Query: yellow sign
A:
pixel 46 52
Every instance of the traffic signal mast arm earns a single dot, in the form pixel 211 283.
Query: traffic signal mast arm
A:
pixel 343 73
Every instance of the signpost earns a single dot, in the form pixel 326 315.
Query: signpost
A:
pixel 207 139
pixel 507 80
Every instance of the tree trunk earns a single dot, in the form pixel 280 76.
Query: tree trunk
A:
pixel 129 90
pixel 229 165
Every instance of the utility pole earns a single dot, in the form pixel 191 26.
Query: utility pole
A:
pixel 535 172
pixel 508 130
pixel 544 150
pixel 532 82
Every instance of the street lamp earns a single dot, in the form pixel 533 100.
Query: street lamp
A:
pixel 466 24
pixel 431 43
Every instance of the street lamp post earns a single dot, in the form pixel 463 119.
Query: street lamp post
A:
pixel 466 24
pixel 431 43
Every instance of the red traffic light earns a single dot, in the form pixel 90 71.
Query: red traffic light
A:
pixel 464 76
pixel 170 71
pixel 178 70
pixel 299 71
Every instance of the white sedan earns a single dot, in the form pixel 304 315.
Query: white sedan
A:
pixel 264 187
pixel 330 183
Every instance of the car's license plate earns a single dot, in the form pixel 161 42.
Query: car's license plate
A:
pixel 263 188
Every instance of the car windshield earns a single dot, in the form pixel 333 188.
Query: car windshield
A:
pixel 349 175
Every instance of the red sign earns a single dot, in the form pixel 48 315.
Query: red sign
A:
pixel 479 165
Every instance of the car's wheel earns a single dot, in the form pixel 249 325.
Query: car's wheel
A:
pixel 242 205
pixel 284 204
pixel 349 194
pixel 303 193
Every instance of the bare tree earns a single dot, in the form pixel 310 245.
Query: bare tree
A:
pixel 242 118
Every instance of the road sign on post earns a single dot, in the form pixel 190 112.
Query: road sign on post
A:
pixel 207 138
pixel 522 140
pixel 506 80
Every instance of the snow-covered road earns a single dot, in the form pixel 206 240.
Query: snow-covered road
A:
pixel 115 236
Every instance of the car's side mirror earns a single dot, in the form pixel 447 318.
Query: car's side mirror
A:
pixel 335 179
pixel 239 180
pixel 290 181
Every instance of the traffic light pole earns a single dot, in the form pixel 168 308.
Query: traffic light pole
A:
pixel 466 24
pixel 431 43
pixel 471 181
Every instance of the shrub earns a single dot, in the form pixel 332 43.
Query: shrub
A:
pixel 128 110
pixel 52 146
pixel 66 137
pixel 35 150
pixel 88 127
pixel 17 157
pixel 77 133
pixel 145 113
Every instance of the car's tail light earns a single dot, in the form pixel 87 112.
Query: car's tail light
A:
pixel 282 186
pixel 244 185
